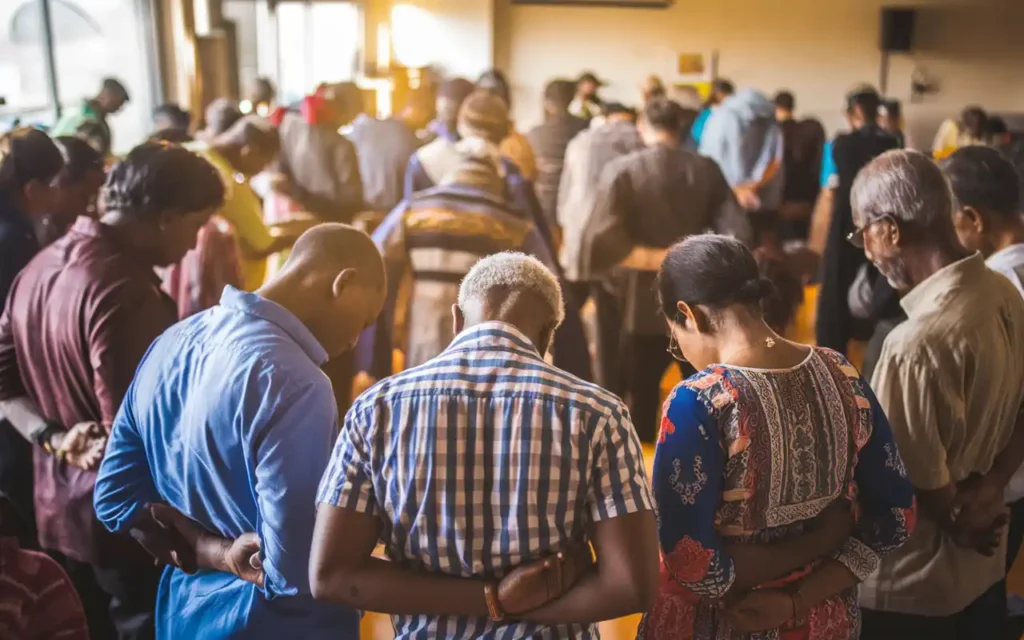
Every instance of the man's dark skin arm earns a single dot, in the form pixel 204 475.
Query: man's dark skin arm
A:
pixel 348 574
pixel 624 580
pixel 174 539
pixel 756 564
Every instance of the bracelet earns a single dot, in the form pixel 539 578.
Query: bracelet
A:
pixel 494 611
pixel 43 437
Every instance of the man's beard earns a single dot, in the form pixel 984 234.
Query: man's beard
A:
pixel 895 271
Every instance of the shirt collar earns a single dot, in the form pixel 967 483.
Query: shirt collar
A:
pixel 1009 257
pixel 930 293
pixel 93 228
pixel 441 130
pixel 493 334
pixel 274 313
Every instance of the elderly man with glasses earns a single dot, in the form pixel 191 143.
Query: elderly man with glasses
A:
pixel 951 380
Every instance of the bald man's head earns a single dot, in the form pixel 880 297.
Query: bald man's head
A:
pixel 334 281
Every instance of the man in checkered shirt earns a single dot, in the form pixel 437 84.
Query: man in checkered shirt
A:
pixel 481 460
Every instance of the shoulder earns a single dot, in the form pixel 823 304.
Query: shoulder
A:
pixel 708 165
pixel 437 146
pixel 913 349
pixel 35 572
pixel 581 139
pixel 450 375
pixel 116 282
pixel 711 390
pixel 835 359
pixel 633 160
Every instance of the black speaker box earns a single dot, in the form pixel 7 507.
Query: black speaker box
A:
pixel 898 29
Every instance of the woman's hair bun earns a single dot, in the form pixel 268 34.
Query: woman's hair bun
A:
pixel 756 290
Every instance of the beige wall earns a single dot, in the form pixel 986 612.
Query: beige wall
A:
pixel 456 35
pixel 817 48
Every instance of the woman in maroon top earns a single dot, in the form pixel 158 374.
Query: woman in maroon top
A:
pixel 29 165
pixel 79 319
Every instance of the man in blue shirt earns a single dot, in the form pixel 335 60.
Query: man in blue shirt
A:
pixel 231 422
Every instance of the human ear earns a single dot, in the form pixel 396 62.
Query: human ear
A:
pixel 458 320
pixel 973 218
pixel 341 281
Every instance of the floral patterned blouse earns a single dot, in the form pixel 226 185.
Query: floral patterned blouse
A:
pixel 751 455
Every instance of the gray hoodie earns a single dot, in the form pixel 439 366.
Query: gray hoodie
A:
pixel 743 137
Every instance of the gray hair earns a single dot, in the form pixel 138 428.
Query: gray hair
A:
pixel 512 271
pixel 906 185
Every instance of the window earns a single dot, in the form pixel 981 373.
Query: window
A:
pixel 91 39
pixel 24 81
pixel 105 39
pixel 297 44
pixel 316 42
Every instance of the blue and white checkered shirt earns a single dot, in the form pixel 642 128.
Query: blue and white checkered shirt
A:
pixel 484 458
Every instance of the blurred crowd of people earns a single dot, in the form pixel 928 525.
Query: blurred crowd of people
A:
pixel 257 346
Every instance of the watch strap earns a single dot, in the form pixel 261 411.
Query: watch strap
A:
pixel 494 611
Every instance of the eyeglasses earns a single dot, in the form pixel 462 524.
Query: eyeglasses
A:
pixel 856 237
pixel 673 344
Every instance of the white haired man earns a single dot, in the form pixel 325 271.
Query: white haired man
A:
pixel 479 460
pixel 951 381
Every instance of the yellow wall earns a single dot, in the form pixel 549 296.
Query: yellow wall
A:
pixel 816 48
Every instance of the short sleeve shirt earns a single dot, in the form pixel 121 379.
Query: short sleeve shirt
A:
pixel 951 380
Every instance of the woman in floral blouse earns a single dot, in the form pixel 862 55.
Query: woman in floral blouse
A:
pixel 777 479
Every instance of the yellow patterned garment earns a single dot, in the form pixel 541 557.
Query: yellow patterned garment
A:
pixel 243 211
pixel 517 148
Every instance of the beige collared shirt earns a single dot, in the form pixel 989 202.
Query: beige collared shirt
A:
pixel 951 380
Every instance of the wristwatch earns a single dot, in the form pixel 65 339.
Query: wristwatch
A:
pixel 493 606
pixel 44 438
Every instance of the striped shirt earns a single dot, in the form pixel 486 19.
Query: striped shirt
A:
pixel 482 459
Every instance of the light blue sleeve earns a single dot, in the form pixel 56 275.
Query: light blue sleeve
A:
pixel 697 130
pixel 290 457
pixel 124 483
pixel 722 128
pixel 829 171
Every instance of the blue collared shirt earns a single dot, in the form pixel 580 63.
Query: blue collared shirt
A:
pixel 231 421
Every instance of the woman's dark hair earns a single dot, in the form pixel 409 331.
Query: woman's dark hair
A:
pixel 974 120
pixel 27 154
pixel 157 177
pixel 866 99
pixel 182 119
pixel 666 115
pixel 495 81
pixel 785 100
pixel 779 305
pixel 711 270
pixel 80 157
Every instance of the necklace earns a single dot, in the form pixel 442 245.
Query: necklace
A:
pixel 769 343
